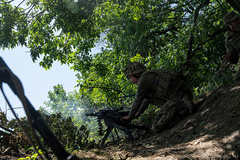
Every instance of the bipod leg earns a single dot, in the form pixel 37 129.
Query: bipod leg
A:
pixel 109 130
pixel 128 132
pixel 117 136
pixel 113 135
pixel 116 133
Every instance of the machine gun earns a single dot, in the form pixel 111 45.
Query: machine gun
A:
pixel 112 119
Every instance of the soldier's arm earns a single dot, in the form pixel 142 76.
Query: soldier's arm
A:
pixel 142 91
pixel 143 107
pixel 232 54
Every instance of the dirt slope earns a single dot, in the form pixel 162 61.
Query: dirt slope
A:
pixel 213 132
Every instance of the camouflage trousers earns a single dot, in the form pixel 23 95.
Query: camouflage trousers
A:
pixel 166 115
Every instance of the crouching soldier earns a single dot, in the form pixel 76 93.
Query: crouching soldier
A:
pixel 161 87
pixel 232 40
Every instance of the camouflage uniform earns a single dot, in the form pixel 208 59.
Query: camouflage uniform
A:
pixel 163 88
pixel 232 41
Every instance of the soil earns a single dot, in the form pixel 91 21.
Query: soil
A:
pixel 211 133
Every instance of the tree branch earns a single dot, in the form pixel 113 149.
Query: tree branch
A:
pixel 4 133
pixel 19 5
pixel 6 129
pixel 202 43
pixel 190 42
pixel 162 32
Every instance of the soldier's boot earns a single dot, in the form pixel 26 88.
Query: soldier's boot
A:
pixel 237 76
pixel 187 104
pixel 179 116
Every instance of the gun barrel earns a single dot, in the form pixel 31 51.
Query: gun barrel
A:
pixel 90 114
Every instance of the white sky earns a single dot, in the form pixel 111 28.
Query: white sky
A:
pixel 36 80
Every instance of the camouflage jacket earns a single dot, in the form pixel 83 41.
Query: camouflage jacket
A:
pixel 232 44
pixel 155 87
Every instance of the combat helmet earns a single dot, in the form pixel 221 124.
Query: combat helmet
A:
pixel 134 68
pixel 230 17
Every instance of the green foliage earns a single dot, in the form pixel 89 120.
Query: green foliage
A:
pixel 19 139
pixel 66 131
pixel 69 104
pixel 13 124
pixel 12 26
pixel 64 128
pixel 33 157
pixel 52 29
pixel 3 118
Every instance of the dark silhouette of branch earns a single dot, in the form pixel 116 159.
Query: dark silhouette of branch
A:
pixel 6 129
pixel 162 32
pixel 202 43
pixel 209 38
pixel 18 5
pixel 191 39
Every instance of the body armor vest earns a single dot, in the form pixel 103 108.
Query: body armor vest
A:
pixel 163 82
pixel 234 39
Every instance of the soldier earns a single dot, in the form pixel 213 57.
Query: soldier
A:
pixel 232 39
pixel 161 87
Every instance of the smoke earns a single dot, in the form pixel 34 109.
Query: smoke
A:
pixel 75 109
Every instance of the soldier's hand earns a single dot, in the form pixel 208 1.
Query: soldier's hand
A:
pixel 126 118
pixel 227 57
